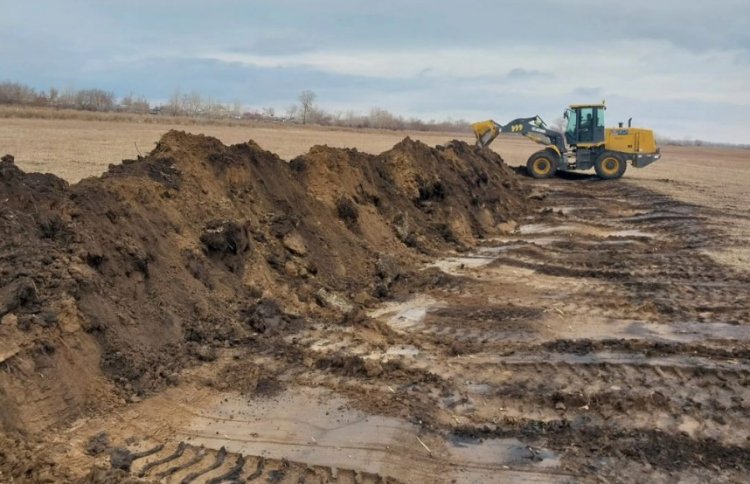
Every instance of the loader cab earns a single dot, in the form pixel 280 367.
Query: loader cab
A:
pixel 585 124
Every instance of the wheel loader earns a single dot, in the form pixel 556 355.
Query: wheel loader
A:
pixel 586 143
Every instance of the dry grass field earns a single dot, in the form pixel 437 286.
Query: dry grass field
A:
pixel 601 334
pixel 74 149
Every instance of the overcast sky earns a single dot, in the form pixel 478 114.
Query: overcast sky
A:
pixel 679 67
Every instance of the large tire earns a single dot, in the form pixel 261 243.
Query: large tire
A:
pixel 542 164
pixel 610 165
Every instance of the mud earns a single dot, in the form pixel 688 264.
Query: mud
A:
pixel 97 444
pixel 130 277
pixel 423 315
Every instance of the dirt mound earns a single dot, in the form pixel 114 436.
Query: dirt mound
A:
pixel 424 196
pixel 145 269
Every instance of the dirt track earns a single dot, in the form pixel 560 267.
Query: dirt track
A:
pixel 599 338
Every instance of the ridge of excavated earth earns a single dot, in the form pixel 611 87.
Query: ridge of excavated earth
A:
pixel 216 314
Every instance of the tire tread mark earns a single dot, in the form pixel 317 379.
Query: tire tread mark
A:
pixel 230 475
pixel 175 455
pixel 200 454
pixel 218 461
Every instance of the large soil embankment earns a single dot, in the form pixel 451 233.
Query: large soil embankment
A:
pixel 109 287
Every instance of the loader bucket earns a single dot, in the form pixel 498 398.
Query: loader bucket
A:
pixel 485 132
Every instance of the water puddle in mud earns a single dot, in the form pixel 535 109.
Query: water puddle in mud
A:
pixel 513 452
pixel 660 215
pixel 685 332
pixel 408 351
pixel 580 229
pixel 317 427
pixel 533 229
pixel 690 332
pixel 612 358
pixel 406 315
pixel 516 242
pixel 564 209
pixel 632 233
pixel 454 265
pixel 537 234
pixel 480 388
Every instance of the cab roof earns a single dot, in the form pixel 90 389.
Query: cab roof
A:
pixel 589 105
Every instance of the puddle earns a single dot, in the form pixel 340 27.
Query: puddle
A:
pixel 317 427
pixel 685 332
pixel 565 209
pixel 516 242
pixel 632 233
pixel 580 229
pixel 453 265
pixel 511 451
pixel 611 357
pixel 533 229
pixel 689 332
pixel 512 245
pixel 479 388
pixel 659 215
pixel 402 350
pixel 406 315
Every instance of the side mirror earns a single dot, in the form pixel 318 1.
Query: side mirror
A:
pixel 630 122
pixel 565 115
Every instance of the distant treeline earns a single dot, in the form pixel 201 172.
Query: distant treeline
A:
pixel 698 142
pixel 83 100
pixel 195 105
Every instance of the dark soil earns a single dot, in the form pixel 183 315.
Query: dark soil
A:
pixel 198 246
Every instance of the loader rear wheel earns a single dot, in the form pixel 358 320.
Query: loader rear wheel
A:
pixel 542 164
pixel 610 166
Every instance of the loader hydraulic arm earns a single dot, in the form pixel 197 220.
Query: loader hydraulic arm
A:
pixel 533 128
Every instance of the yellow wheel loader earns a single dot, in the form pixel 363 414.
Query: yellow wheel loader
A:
pixel 589 143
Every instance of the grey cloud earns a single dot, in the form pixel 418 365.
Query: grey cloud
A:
pixel 283 42
pixel 587 92
pixel 522 74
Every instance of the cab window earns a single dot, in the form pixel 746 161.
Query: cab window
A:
pixel 599 129
pixel 572 126
pixel 586 130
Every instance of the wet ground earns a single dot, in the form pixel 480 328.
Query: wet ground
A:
pixel 598 341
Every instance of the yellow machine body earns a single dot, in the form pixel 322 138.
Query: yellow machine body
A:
pixel 632 141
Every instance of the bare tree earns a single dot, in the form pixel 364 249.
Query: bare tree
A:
pixel 382 119
pixel 67 98
pixel 193 103
pixel 16 93
pixel 291 112
pixel 174 105
pixel 53 96
pixel 269 113
pixel 307 100
pixel 237 108
pixel 138 105
pixel 95 100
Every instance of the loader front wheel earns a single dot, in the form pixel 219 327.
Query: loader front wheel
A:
pixel 542 164
pixel 610 165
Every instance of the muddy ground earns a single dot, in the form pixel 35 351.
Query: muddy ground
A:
pixel 426 315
